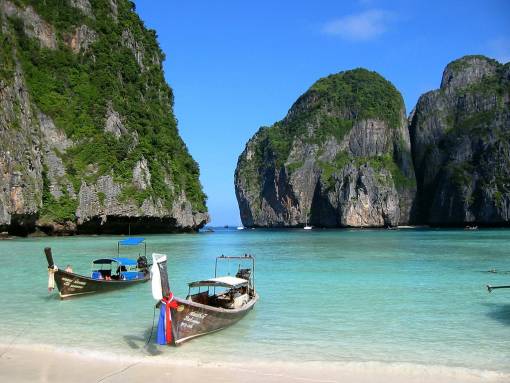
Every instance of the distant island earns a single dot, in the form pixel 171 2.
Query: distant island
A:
pixel 88 139
pixel 346 155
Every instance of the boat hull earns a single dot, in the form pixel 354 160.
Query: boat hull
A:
pixel 72 285
pixel 191 319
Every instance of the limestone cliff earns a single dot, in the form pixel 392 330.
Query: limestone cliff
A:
pixel 88 139
pixel 341 157
pixel 460 136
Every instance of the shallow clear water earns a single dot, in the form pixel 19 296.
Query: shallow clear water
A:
pixel 414 296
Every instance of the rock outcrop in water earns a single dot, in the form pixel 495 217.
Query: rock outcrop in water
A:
pixel 88 140
pixel 341 157
pixel 460 136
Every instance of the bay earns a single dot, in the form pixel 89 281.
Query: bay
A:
pixel 403 296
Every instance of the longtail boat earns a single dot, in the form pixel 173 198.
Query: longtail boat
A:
pixel 219 302
pixel 107 273
pixel 490 288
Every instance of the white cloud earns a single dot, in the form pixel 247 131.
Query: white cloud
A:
pixel 363 26
pixel 500 48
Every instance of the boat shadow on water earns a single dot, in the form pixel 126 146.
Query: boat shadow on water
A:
pixel 137 342
pixel 499 312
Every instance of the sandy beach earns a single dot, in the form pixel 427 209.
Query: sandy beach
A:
pixel 45 364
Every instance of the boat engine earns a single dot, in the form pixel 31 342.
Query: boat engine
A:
pixel 142 262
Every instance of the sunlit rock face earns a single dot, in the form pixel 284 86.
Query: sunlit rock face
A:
pixel 341 157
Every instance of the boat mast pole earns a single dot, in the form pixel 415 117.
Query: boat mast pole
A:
pixel 253 277
pixel 216 266
pixel 215 270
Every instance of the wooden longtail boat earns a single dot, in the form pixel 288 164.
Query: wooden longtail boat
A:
pixel 225 301
pixel 107 274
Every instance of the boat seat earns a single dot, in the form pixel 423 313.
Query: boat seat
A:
pixel 239 301
pixel 129 275
pixel 105 273
pixel 202 297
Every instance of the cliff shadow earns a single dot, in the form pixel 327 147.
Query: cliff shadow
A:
pixel 416 217
pixel 130 225
pixel 21 225
pixel 323 213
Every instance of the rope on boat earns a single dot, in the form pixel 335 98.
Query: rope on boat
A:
pixel 134 363
pixel 119 372
pixel 51 285
pixel 25 330
pixel 152 328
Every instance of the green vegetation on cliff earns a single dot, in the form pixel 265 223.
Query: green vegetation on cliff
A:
pixel 331 106
pixel 60 210
pixel 364 94
pixel 6 57
pixel 378 163
pixel 120 70
pixel 464 62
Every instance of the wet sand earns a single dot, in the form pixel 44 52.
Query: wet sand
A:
pixel 24 364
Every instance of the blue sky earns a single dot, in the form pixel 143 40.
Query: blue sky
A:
pixel 236 65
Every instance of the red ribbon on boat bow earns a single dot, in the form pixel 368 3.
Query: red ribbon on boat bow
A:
pixel 169 303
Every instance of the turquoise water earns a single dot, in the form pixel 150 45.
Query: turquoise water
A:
pixel 415 296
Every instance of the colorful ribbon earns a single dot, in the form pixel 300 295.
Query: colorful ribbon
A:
pixel 169 303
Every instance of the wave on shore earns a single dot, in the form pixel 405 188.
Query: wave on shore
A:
pixel 358 371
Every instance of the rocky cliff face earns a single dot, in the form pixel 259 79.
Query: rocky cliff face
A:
pixel 460 136
pixel 88 140
pixel 341 157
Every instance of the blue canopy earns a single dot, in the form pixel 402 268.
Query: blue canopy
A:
pixel 120 261
pixel 131 241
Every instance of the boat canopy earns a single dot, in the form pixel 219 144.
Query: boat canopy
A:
pixel 131 241
pixel 120 261
pixel 227 281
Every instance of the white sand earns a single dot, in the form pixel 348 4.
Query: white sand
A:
pixel 25 364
